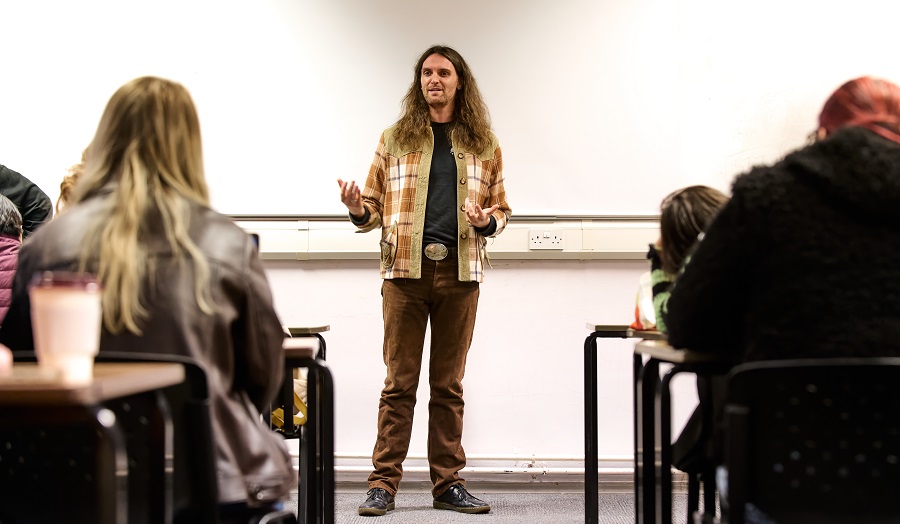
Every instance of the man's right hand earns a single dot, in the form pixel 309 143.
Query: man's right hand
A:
pixel 351 197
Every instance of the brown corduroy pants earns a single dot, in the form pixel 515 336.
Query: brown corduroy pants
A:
pixel 408 304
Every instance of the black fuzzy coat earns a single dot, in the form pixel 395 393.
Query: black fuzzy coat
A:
pixel 804 261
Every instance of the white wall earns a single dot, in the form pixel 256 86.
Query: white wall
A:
pixel 524 379
pixel 602 107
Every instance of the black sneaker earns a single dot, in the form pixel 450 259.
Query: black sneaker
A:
pixel 378 503
pixel 456 498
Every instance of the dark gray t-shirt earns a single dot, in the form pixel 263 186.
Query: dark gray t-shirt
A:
pixel 440 208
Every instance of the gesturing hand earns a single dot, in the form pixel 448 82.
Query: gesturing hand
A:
pixel 477 216
pixel 351 197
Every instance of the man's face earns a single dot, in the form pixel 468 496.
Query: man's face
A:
pixel 439 81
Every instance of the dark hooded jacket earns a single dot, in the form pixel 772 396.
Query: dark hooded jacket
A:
pixel 239 345
pixel 803 261
pixel 33 203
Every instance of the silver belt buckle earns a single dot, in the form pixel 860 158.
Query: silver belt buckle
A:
pixel 436 251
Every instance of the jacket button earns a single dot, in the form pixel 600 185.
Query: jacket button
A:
pixel 459 155
pixel 462 207
pixel 462 181
pixel 464 236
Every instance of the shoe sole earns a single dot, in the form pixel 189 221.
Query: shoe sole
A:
pixel 451 507
pixel 375 512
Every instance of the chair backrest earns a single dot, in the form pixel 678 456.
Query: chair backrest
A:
pixel 194 481
pixel 61 464
pixel 814 440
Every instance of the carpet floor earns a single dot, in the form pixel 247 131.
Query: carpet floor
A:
pixel 506 508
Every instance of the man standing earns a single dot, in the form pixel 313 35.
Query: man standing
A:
pixel 436 190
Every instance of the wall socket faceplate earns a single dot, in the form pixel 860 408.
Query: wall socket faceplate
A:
pixel 546 239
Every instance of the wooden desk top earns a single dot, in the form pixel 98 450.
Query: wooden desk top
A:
pixel 624 331
pixel 301 347
pixel 29 385
pixel 661 350
pixel 308 330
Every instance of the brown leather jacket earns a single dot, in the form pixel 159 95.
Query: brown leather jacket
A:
pixel 239 346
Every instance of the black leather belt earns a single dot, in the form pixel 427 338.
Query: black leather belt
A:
pixel 437 251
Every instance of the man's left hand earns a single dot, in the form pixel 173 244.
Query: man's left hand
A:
pixel 477 216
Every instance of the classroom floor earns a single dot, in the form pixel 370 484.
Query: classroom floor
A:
pixel 507 508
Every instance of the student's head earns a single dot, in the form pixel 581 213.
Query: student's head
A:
pixel 149 138
pixel 10 219
pixel 867 102
pixel 147 154
pixel 684 214
pixel 471 119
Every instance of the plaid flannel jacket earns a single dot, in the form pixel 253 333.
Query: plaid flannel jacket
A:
pixel 395 196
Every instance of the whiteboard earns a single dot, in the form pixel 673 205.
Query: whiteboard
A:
pixel 601 107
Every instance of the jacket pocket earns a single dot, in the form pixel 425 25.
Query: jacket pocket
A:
pixel 389 246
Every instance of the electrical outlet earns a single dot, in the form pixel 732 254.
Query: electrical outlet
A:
pixel 546 239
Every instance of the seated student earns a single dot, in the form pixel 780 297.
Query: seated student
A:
pixel 684 215
pixel 34 205
pixel 177 278
pixel 10 241
pixel 802 261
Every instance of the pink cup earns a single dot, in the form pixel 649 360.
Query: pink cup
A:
pixel 66 318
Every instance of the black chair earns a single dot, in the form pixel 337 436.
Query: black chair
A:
pixel 193 497
pixel 62 464
pixel 697 481
pixel 813 440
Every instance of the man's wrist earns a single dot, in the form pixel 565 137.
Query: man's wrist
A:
pixel 487 229
pixel 360 219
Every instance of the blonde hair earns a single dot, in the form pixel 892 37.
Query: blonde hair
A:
pixel 67 186
pixel 147 150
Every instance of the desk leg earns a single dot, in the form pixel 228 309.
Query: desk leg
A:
pixel 636 370
pixel 321 354
pixel 647 379
pixel 326 402
pixel 316 482
pixel 289 429
pixel 591 496
pixel 308 506
pixel 664 411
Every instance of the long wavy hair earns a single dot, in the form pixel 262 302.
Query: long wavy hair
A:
pixel 867 102
pixel 471 124
pixel 147 150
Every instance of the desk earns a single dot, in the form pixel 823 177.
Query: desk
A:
pixel 591 497
pixel 312 331
pixel 652 423
pixel 31 386
pixel 85 439
pixel 316 475
pixel 310 338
